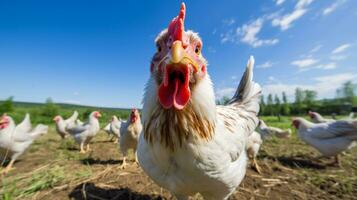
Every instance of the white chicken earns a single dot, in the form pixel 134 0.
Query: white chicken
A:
pixel 115 127
pixel 62 125
pixel 129 135
pixel 330 138
pixel 14 140
pixel 107 129
pixel 268 131
pixel 189 145
pixel 253 146
pixel 317 118
pixel 83 134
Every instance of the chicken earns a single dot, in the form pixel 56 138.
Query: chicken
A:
pixel 62 125
pixel 317 118
pixel 107 129
pixel 189 145
pixel 115 127
pixel 269 131
pixel 329 138
pixel 351 115
pixel 254 142
pixel 79 122
pixel 14 140
pixel 83 134
pixel 129 135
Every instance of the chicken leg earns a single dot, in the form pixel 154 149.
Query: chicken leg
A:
pixel 8 167
pixel 124 164
pixel 82 148
pixel 337 161
pixel 256 166
pixel 88 149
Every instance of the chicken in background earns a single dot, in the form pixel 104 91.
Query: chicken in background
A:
pixel 268 131
pixel 84 133
pixel 189 145
pixel 79 122
pixel 62 125
pixel 317 118
pixel 129 135
pixel 14 140
pixel 115 128
pixel 253 146
pixel 330 138
pixel 107 129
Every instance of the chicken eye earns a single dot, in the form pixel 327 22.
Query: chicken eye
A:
pixel 158 48
pixel 198 50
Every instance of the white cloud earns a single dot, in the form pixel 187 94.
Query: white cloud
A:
pixel 304 63
pixel 249 32
pixel 341 48
pixel 72 102
pixel 332 7
pixel 228 37
pixel 229 92
pixel 316 49
pixel 265 65
pixel 279 2
pixel 323 85
pixel 303 3
pixel 228 22
pixel 327 66
pixel 338 57
pixel 285 22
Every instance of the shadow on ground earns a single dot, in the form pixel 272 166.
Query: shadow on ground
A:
pixel 296 162
pixel 90 191
pixel 91 161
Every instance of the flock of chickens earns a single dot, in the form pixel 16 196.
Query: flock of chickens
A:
pixel 182 140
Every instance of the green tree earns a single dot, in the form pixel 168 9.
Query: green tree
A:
pixel 7 105
pixel 348 91
pixel 223 101
pixel 262 105
pixel 299 101
pixel 286 106
pixel 50 109
pixel 270 105
pixel 277 106
pixel 310 97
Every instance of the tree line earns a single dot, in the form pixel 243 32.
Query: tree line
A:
pixel 305 100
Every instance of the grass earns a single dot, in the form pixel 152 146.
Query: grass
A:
pixel 46 177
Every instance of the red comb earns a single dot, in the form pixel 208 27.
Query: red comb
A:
pixel 176 27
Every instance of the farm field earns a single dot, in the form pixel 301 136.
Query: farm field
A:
pixel 54 169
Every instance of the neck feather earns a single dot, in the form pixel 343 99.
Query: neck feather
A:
pixel 172 127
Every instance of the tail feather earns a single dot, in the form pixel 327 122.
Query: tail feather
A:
pixel 39 130
pixel 71 120
pixel 25 125
pixel 248 92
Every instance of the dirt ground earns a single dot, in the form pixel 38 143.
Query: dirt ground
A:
pixel 54 169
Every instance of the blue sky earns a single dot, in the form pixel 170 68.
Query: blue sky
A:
pixel 98 53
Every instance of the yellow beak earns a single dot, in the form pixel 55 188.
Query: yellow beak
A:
pixel 177 52
pixel 178 55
